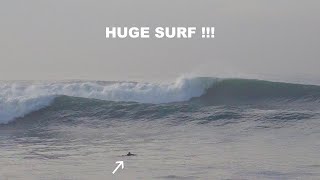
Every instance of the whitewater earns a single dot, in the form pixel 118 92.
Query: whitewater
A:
pixel 20 98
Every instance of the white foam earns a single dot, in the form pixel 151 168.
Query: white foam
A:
pixel 20 98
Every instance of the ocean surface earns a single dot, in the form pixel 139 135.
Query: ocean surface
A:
pixel 193 128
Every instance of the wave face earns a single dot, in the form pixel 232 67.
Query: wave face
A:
pixel 147 100
pixel 252 91
pixel 20 98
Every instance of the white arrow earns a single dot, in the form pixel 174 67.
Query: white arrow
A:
pixel 120 163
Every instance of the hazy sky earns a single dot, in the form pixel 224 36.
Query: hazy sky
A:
pixel 65 39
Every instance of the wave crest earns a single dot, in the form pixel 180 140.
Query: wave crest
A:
pixel 20 98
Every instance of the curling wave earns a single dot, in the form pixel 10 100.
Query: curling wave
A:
pixel 20 98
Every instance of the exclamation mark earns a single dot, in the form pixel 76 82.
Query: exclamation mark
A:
pixel 208 32
pixel 203 29
pixel 212 32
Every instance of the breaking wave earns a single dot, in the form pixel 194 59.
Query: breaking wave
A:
pixel 112 99
pixel 20 98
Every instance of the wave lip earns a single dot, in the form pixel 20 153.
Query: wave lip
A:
pixel 12 108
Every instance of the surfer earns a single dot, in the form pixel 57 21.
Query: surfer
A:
pixel 130 154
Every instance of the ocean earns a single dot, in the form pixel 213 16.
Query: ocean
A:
pixel 193 128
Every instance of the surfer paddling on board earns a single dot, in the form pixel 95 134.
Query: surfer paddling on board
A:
pixel 130 154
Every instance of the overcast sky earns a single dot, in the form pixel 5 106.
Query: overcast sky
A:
pixel 65 39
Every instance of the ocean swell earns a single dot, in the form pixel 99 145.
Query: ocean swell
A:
pixel 235 91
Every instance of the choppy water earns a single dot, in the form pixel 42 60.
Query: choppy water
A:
pixel 198 128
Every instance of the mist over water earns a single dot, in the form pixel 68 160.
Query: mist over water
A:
pixel 193 128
